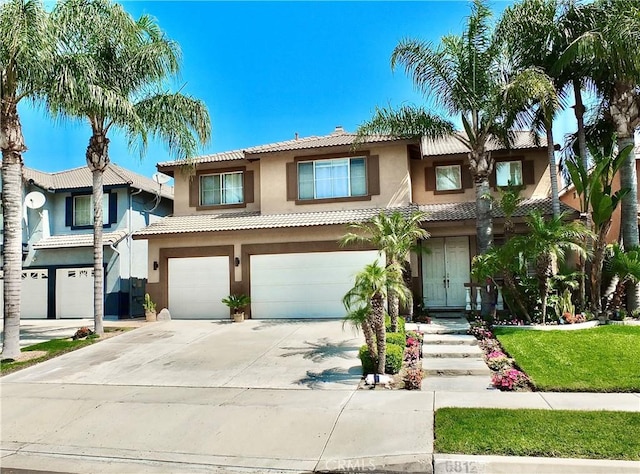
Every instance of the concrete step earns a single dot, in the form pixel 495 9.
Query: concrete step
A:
pixel 450 351
pixel 452 367
pixel 460 383
pixel 441 326
pixel 449 339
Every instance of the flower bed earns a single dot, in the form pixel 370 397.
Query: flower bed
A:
pixel 506 376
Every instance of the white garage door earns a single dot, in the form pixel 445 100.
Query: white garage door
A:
pixel 33 294
pixel 197 286
pixel 74 292
pixel 304 285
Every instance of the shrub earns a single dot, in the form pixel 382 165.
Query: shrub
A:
pixel 418 335
pixel 401 323
pixel 413 379
pixel 480 330
pixel 510 379
pixel 497 360
pixel 396 338
pixel 368 362
pixel 393 362
pixel 489 345
pixel 412 355
pixel 82 332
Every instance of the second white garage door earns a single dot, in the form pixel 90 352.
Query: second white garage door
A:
pixel 197 286
pixel 304 285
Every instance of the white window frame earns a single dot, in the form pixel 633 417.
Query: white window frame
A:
pixel 348 177
pixel 519 163
pixel 222 188
pixel 105 209
pixel 459 168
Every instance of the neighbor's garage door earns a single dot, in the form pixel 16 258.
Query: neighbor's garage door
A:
pixel 74 293
pixel 197 286
pixel 33 294
pixel 304 285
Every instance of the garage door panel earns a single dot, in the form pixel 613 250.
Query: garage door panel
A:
pixel 304 285
pixel 74 292
pixel 197 286
pixel 33 294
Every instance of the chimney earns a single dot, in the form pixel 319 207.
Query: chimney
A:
pixel 296 135
pixel 339 130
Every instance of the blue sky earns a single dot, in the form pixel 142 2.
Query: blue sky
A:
pixel 267 70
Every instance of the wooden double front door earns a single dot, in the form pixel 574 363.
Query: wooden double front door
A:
pixel 445 270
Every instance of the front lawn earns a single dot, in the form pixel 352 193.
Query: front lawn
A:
pixel 53 348
pixel 547 433
pixel 602 359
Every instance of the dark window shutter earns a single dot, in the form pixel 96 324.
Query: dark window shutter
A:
pixel 113 208
pixel 248 186
pixel 492 177
pixel 292 181
pixel 467 179
pixel 430 178
pixel 194 191
pixel 69 211
pixel 373 175
pixel 528 175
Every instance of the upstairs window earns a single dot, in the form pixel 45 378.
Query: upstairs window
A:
pixel 83 210
pixel 332 178
pixel 221 188
pixel 448 178
pixel 509 172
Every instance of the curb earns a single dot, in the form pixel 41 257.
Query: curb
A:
pixel 457 463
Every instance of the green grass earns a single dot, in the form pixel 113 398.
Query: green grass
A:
pixel 546 433
pixel 602 359
pixel 53 348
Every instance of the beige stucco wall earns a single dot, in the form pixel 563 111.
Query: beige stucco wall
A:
pixel 181 188
pixel 395 181
pixel 422 196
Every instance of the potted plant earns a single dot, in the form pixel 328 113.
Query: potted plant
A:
pixel 237 303
pixel 149 308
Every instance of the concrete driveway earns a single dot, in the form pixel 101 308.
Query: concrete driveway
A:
pixel 198 396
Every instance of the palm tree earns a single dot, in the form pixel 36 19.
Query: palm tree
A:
pixel 625 266
pixel 466 76
pixel 25 59
pixel 373 284
pixel 112 71
pixel 610 47
pixel 358 317
pixel 395 236
pixel 547 241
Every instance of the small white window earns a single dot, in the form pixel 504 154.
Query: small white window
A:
pixel 222 188
pixel 509 173
pixel 448 178
pixel 83 210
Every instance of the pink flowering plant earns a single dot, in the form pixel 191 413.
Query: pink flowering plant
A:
pixel 497 360
pixel 510 379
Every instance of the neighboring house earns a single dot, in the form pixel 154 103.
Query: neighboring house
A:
pixel 266 220
pixel 58 241
pixel 570 197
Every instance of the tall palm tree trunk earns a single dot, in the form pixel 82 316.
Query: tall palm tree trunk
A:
pixel 98 160
pixel 579 113
pixel 553 169
pixel 484 229
pixel 377 316
pixel 629 212
pixel 12 148
pixel 544 275
pixel 394 310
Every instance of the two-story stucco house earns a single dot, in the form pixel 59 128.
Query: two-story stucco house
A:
pixel 57 272
pixel 266 220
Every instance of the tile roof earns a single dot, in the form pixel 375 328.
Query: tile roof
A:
pixel 452 146
pixel 256 220
pixel 81 178
pixel 338 138
pixel 79 240
pixel 445 146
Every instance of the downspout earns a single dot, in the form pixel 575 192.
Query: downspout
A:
pixel 130 245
